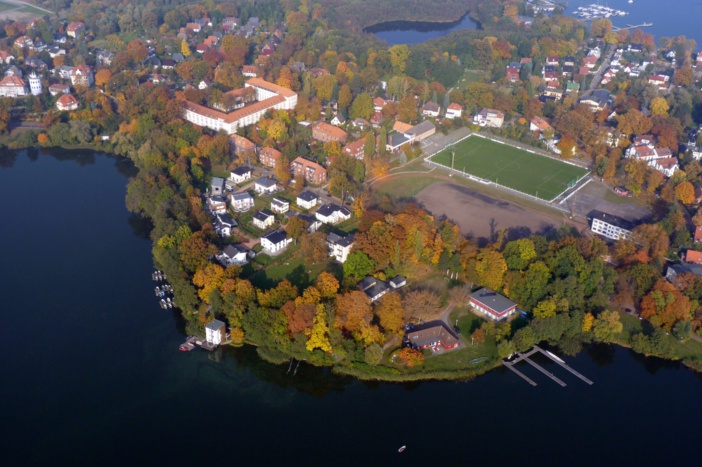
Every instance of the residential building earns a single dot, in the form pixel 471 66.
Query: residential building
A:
pixel 217 205
pixel 454 111
pixel 684 268
pixel 81 75
pixel 275 241
pixel 421 131
pixel 280 205
pixel 660 81
pixel 75 29
pixel 13 86
pixel 263 219
pixel 373 288
pixel 223 225
pixel 693 256
pixel 307 200
pixel 401 127
pixel 215 332
pixel 492 305
pixel 241 146
pixel 56 89
pixel 596 100
pixel 539 124
pixel 355 149
pixel 66 103
pixel 267 96
pixel 242 201
pixel 338 119
pixel 250 71
pixel 265 185
pixel 490 118
pixel 698 234
pixel 6 57
pixel 240 174
pixel 269 157
pixel 332 213
pixel 396 141
pixel 325 133
pixel 397 282
pixel 378 104
pixel 433 335
pixel 217 186
pixel 309 170
pixel 339 246
pixel 610 226
pixel 431 109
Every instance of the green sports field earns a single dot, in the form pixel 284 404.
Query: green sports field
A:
pixel 509 166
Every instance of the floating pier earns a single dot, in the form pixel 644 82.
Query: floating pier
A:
pixel 554 358
pixel 629 26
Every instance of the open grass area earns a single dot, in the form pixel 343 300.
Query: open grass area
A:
pixel 7 6
pixel 292 268
pixel 404 186
pixel 510 166
pixel 32 10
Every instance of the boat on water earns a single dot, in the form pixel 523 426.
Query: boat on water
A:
pixel 402 449
pixel 186 347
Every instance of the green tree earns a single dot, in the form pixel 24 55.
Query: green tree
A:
pixel 407 109
pixel 506 349
pixel 358 265
pixel 362 106
pixel 369 146
pixel 607 326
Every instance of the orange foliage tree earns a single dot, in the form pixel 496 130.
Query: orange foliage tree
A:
pixel 665 305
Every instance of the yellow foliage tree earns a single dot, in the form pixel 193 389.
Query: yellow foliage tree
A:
pixel 588 321
pixel 185 49
pixel 208 279
pixel 659 106
pixel 319 336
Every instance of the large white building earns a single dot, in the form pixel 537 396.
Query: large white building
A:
pixel 268 96
pixel 215 332
pixel 339 247
pixel 35 86
pixel 12 86
pixel 610 226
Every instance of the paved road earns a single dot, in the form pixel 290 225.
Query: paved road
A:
pixel 605 64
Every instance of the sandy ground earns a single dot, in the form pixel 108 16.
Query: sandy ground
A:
pixel 481 216
pixel 592 197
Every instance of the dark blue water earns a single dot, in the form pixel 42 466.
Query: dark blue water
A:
pixel 415 32
pixel 91 374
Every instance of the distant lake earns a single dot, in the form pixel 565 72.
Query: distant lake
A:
pixel 415 32
pixel 670 18
pixel 92 374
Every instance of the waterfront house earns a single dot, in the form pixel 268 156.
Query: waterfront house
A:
pixel 279 205
pixel 339 246
pixel 242 201
pixel 492 305
pixel 434 335
pixel 275 241
pixel 307 200
pixel 263 219
pixel 233 255
pixel 215 332
pixel 265 185
pixel 332 213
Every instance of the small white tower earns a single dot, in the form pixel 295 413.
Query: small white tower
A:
pixel 34 84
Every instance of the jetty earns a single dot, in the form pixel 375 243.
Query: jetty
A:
pixel 630 26
pixel 525 356
pixel 194 340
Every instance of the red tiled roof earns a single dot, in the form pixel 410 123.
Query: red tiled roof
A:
pixel 692 256
pixel 331 130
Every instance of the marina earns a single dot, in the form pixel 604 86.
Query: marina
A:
pixel 163 291
pixel 596 11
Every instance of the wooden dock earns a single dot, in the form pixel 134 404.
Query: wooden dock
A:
pixel 629 26
pixel 525 357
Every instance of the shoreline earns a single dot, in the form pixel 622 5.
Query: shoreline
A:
pixel 413 23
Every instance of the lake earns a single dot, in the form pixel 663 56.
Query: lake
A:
pixel 679 17
pixel 92 374
pixel 415 32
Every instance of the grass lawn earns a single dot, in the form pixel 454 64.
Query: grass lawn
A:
pixel 471 76
pixel 295 270
pixel 31 9
pixel 7 6
pixel 509 166
pixel 404 186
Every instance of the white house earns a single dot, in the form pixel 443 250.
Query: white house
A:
pixel 223 225
pixel 307 200
pixel 242 201
pixel 217 186
pixel 263 219
pixel 489 117
pixel 454 111
pixel 13 86
pixel 431 109
pixel 232 255
pixel 275 241
pixel 332 213
pixel 610 226
pixel 279 205
pixel 265 185
pixel 240 174
pixel 217 205
pixel 373 288
pixel 339 247
pixel 215 332
pixel 338 120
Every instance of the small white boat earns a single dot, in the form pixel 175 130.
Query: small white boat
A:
pixel 402 449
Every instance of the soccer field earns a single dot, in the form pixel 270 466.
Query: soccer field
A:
pixel 509 166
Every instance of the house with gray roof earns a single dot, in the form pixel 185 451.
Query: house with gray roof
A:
pixel 265 185
pixel 217 186
pixel 242 201
pixel 492 305
pixel 332 213
pixel 435 335
pixel 339 246
pixel 374 288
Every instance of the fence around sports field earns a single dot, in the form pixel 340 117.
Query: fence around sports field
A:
pixel 498 185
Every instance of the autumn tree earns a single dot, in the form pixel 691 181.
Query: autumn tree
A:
pixel 421 304
pixel 459 295
pixel 491 268
pixel 653 240
pixel 407 109
pixel 606 326
pixel 314 247
pixel 185 49
pixel 659 106
pixel 478 336
pixel 391 313
pixel 362 106
pixel 411 357
pixel 567 146
pixel 208 279
pixel 634 123
pixel 327 285
pixel 684 76
pixel 665 305
pixel 345 98
pixel 685 193
pixel 277 296
pixel 102 77
pixel 319 336
pixel 352 309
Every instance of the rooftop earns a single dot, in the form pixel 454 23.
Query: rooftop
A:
pixel 492 300
pixel 307 196
pixel 612 220
pixel 431 332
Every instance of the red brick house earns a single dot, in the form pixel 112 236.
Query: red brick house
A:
pixel 310 171
pixel 434 335
pixel 355 149
pixel 269 157
pixel 325 132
